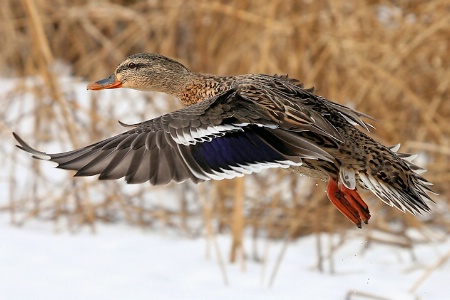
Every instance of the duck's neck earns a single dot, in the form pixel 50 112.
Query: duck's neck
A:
pixel 202 87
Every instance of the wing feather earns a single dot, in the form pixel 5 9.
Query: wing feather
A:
pixel 245 129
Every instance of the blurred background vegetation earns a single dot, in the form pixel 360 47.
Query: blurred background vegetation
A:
pixel 389 59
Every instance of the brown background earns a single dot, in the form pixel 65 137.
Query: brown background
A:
pixel 389 59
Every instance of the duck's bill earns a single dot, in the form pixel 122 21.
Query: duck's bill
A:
pixel 107 83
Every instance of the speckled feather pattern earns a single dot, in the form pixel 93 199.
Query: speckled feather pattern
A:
pixel 236 125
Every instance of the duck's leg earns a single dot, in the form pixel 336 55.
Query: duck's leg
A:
pixel 338 199
pixel 348 202
pixel 357 202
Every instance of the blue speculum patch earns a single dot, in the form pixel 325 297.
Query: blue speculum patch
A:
pixel 243 147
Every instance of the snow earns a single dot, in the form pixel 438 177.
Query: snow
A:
pixel 122 262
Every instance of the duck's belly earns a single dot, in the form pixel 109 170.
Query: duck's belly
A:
pixel 310 170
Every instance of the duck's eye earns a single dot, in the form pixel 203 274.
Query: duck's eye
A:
pixel 132 66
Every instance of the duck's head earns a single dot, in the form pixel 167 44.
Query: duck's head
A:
pixel 147 72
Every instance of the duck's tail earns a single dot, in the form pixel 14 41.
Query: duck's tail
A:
pixel 398 182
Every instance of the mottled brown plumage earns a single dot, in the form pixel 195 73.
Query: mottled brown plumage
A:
pixel 236 125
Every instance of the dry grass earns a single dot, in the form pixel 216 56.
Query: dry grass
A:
pixel 389 61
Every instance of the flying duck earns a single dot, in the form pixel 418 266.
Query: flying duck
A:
pixel 237 125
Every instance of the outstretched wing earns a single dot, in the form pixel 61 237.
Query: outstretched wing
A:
pixel 222 137
pixel 295 108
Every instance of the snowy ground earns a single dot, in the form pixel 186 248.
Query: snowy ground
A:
pixel 120 262
pixel 125 263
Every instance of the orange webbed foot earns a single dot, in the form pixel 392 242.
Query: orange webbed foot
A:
pixel 357 202
pixel 348 202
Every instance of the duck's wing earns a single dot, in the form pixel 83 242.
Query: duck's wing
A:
pixel 214 139
pixel 293 93
pixel 295 108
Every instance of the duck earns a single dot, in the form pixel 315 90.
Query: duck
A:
pixel 232 126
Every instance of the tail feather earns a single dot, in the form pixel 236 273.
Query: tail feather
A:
pixel 407 190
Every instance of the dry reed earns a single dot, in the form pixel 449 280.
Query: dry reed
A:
pixel 390 61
